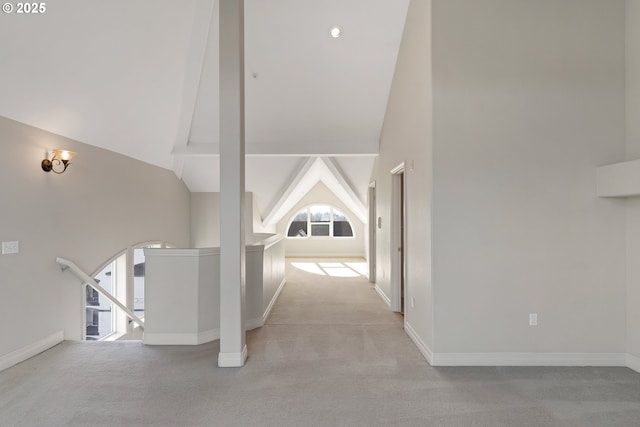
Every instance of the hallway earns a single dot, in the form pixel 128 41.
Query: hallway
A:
pixel 335 329
pixel 331 354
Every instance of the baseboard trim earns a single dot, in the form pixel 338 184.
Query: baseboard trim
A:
pixel 181 339
pixel 324 255
pixel 251 324
pixel 529 359
pixel 424 348
pixel 208 336
pixel 633 362
pixel 382 295
pixel 267 312
pixel 27 352
pixel 169 339
pixel 232 360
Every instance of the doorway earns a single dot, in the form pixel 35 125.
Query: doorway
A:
pixel 398 239
pixel 372 232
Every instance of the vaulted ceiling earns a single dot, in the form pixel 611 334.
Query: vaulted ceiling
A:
pixel 141 78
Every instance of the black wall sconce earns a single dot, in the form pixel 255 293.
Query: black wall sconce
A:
pixel 60 160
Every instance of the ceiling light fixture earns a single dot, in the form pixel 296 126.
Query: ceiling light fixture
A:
pixel 60 160
pixel 335 31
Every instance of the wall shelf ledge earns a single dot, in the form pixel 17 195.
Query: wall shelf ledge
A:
pixel 619 179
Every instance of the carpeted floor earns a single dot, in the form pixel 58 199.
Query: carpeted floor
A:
pixel 331 354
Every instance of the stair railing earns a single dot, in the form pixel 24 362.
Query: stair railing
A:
pixel 86 279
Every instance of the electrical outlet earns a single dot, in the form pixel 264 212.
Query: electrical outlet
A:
pixel 533 319
pixel 413 302
pixel 10 247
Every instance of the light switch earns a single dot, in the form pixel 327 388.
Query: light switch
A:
pixel 10 247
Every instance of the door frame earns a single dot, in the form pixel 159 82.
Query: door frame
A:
pixel 371 199
pixel 398 234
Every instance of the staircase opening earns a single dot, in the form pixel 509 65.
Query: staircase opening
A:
pixel 123 278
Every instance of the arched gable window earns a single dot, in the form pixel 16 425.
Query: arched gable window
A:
pixel 320 221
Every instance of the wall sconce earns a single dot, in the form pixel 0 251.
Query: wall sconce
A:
pixel 59 161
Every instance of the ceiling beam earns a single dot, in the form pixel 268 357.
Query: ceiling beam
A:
pixel 283 195
pixel 204 14
pixel 314 170
pixel 335 168
pixel 320 149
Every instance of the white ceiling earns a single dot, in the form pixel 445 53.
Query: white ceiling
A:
pixel 141 78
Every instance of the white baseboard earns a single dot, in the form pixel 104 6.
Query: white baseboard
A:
pixel 633 362
pixel 529 359
pixel 324 255
pixel 522 359
pixel 251 324
pixel 267 312
pixel 382 295
pixel 232 360
pixel 208 336
pixel 181 339
pixel 424 348
pixel 170 339
pixel 24 353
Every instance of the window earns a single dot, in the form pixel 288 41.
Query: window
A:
pixel 102 318
pixel 138 279
pixel 298 227
pixel 320 221
pixel 99 311
pixel 341 225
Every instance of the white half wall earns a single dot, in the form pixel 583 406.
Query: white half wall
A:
pixel 182 291
pixel 102 204
pixel 182 296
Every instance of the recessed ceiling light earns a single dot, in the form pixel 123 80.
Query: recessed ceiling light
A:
pixel 335 31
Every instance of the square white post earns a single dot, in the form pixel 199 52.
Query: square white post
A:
pixel 233 349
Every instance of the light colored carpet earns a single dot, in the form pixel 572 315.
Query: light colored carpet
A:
pixel 330 355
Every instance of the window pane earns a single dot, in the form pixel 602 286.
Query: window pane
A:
pixel 342 229
pixel 92 316
pixel 319 229
pixel 302 216
pixel 99 310
pixel 298 229
pixel 338 216
pixel 320 213
pixel 138 279
pixel 341 226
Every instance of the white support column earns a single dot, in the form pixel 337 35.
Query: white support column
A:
pixel 233 350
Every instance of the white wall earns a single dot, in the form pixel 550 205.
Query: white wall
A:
pixel 633 153
pixel 205 219
pixel 352 247
pixel 528 101
pixel 407 136
pixel 102 204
